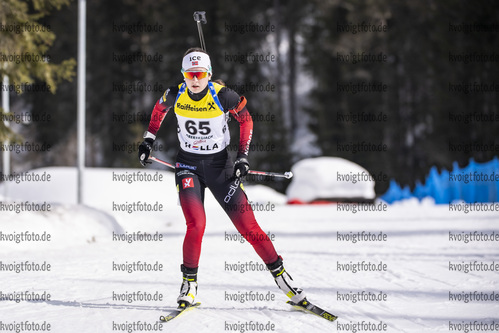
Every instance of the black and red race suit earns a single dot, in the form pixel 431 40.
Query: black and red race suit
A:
pixel 203 162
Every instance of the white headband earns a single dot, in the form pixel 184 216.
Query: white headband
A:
pixel 196 59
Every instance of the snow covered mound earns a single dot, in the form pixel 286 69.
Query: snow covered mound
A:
pixel 144 200
pixel 54 226
pixel 329 178
pixel 101 185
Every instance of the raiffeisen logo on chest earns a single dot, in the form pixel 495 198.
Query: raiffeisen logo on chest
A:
pixel 189 107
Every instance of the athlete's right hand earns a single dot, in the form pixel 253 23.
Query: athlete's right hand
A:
pixel 145 150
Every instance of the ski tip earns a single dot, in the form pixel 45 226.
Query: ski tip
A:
pixel 311 308
pixel 182 307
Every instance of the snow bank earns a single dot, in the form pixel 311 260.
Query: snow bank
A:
pixel 58 226
pixel 101 185
pixel 109 197
pixel 329 178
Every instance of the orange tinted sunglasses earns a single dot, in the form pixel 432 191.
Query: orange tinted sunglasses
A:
pixel 191 75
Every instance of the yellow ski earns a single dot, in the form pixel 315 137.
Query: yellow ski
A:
pixel 182 308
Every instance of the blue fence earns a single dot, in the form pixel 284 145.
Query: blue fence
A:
pixel 477 182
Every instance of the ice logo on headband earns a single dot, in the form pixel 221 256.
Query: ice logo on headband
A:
pixel 196 59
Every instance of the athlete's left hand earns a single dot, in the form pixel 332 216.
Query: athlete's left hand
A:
pixel 241 167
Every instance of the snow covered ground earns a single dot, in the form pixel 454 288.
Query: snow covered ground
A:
pixel 407 267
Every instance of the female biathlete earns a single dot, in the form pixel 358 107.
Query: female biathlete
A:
pixel 202 108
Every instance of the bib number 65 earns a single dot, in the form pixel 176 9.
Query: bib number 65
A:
pixel 193 128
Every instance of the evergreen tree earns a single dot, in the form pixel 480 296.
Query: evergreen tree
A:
pixel 24 46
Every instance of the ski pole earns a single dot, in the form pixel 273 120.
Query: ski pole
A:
pixel 200 17
pixel 287 174
pixel 152 158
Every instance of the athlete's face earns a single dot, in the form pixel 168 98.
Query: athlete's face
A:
pixel 196 84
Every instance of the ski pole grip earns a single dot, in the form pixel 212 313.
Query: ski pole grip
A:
pixel 200 17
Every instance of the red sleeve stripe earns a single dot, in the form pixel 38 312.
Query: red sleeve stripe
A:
pixel 245 130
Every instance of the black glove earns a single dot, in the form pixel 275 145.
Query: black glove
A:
pixel 241 166
pixel 145 150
